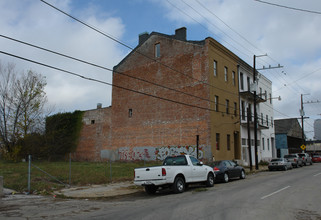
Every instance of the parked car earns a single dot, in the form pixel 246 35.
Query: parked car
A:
pixel 316 158
pixel 306 159
pixel 280 164
pixel 226 170
pixel 175 173
pixel 294 159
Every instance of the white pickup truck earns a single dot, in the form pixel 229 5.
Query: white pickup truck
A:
pixel 176 172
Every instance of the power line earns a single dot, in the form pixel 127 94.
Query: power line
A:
pixel 227 25
pixel 214 26
pixel 132 49
pixel 203 26
pixel 105 68
pixel 110 84
pixel 288 7
pixel 118 41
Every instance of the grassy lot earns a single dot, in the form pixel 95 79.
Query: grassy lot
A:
pixel 15 175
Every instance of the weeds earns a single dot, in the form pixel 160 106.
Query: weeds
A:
pixel 15 175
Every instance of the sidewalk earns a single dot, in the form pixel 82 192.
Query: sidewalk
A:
pixel 100 191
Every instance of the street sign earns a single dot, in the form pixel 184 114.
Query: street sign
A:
pixel 303 147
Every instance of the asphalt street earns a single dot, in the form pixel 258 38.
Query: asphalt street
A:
pixel 293 194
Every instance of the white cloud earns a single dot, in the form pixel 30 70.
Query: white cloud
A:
pixel 291 38
pixel 37 23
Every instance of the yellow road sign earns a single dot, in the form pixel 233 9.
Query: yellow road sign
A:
pixel 303 147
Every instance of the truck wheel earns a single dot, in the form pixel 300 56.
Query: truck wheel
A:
pixel 179 185
pixel 210 180
pixel 151 189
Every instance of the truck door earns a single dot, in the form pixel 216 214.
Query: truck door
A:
pixel 198 171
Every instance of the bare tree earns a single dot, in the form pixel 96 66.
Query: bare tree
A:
pixel 22 100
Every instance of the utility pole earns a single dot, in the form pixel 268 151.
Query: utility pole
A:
pixel 255 101
pixel 249 136
pixel 302 114
pixel 255 117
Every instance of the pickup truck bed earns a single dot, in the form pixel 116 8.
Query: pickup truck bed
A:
pixel 176 172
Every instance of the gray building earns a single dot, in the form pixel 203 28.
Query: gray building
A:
pixel 317 129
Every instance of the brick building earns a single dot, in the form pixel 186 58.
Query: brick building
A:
pixel 196 95
pixel 95 135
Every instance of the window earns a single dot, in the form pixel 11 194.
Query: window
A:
pixel 272 122
pixel 233 78
pixel 265 95
pixel 270 96
pixel 215 67
pixel 263 144
pixel 225 74
pixel 243 141
pixel 227 106
pixel 92 122
pixel 130 113
pixel 228 139
pixel 217 141
pixel 243 110
pixel 261 92
pixel 268 144
pixel 267 120
pixel 241 81
pixel 157 50
pixel 216 103
pixel 248 84
pixel 235 109
pixel 250 112
pixel 262 119
pixel 194 161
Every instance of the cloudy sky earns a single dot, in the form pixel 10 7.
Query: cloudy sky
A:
pixel 248 27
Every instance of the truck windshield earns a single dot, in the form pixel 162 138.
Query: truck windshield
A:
pixel 172 161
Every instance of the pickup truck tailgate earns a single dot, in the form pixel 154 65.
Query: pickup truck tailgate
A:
pixel 148 173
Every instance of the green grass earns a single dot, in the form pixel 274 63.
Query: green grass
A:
pixel 15 175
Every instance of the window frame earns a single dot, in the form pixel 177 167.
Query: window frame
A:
pixel 225 74
pixel 157 50
pixel 215 68
pixel 216 100
pixel 227 106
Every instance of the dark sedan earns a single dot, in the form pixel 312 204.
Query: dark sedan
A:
pixel 226 170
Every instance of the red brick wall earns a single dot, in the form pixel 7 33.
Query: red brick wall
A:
pixel 156 122
pixel 95 135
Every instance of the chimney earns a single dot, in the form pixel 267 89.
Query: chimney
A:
pixel 143 37
pixel 99 105
pixel 180 33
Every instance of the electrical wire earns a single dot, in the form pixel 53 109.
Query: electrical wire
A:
pixel 288 7
pixel 102 82
pixel 118 41
pixel 227 25
pixel 133 49
pixel 105 68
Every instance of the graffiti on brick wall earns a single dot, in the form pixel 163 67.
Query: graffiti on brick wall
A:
pixel 163 152
pixel 137 153
pixel 160 153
